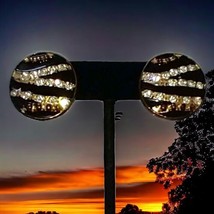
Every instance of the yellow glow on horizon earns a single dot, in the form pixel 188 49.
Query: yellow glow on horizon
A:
pixel 95 206
pixel 151 207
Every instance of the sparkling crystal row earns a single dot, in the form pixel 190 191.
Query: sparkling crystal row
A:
pixel 164 78
pixel 45 101
pixel 33 77
pixel 165 60
pixel 178 100
pixel 39 58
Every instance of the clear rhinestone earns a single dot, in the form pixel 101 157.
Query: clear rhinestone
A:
pixel 173 72
pixel 147 93
pixel 165 75
pixel 15 92
pixel 182 82
pixel 172 82
pixel 15 74
pixel 186 100
pixel 64 102
pixel 69 86
pixel 69 67
pixel 50 82
pixel 197 100
pixel 160 96
pixel 199 85
pixel 25 76
pixel 53 69
pixel 191 83
pixel 38 98
pixel 58 83
pixel 60 67
pixel 173 98
pixel 155 77
pixel 183 69
pixel 39 82
pixel 26 95
pixel 34 74
pixel 193 67
pixel 151 77
pixel 53 100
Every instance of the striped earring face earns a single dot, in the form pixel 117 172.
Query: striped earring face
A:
pixel 43 86
pixel 172 86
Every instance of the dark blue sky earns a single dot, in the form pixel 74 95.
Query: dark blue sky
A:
pixel 94 31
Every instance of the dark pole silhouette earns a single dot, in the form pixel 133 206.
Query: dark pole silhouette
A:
pixel 108 82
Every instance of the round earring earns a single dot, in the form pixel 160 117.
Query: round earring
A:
pixel 43 86
pixel 172 86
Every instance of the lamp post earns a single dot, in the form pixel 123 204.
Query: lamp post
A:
pixel 108 82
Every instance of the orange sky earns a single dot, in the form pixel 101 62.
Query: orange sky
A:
pixel 79 191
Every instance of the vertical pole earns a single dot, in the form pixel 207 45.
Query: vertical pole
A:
pixel 109 156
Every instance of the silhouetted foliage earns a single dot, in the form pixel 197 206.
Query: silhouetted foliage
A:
pixel 130 209
pixel 191 159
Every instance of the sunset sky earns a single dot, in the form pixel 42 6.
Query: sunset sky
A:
pixel 58 164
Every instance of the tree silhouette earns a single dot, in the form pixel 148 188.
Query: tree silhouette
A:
pixel 131 209
pixel 190 159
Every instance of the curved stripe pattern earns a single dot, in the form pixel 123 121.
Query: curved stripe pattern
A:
pixel 43 86
pixel 172 86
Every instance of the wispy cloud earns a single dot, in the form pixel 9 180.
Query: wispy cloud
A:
pixel 72 180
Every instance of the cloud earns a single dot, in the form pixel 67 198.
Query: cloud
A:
pixel 132 182
pixel 72 180
pixel 73 188
pixel 54 180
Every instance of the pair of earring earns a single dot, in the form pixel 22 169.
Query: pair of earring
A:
pixel 43 86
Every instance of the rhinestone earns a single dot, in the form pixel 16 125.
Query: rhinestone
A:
pixel 182 82
pixel 38 98
pixel 50 82
pixel 159 96
pixel 156 77
pixel 39 82
pixel 197 100
pixel 58 83
pixel 147 93
pixel 199 85
pixel 165 75
pixel 183 69
pixel 69 86
pixel 173 72
pixel 52 100
pixel 25 76
pixel 26 95
pixel 191 83
pixel 34 74
pixel 192 67
pixel 186 100
pixel 172 82
pixel 69 67
pixel 53 69
pixel 60 67
pixel 173 98
pixel 64 102
pixel 15 92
